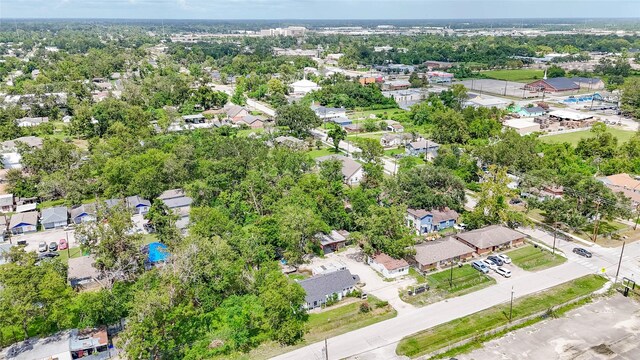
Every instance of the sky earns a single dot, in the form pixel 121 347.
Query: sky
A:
pixel 318 9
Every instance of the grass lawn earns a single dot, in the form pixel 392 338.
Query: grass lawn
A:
pixel 465 280
pixel 322 152
pixel 574 137
pixel 374 135
pixel 327 324
pixel 392 152
pixel 533 259
pixel 149 238
pixel 246 132
pixel 519 75
pixel 438 337
pixel 365 114
pixel 71 254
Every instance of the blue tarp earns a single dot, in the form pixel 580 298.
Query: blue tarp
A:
pixel 157 252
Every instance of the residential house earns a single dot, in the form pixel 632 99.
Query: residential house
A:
pixel 352 171
pixel 6 203
pixel 491 238
pixel 389 267
pixel 31 121
pixel 54 217
pixel 25 207
pixel 396 85
pixel 304 87
pixel 426 148
pixel 24 223
pixel 426 221
pixel 289 141
pixel 342 121
pixel 177 201
pixel 235 113
pixel 83 213
pixel 439 253
pixel 531 111
pixel 4 227
pixel 82 273
pixel 333 241
pixel 560 84
pixel 251 121
pixel 395 140
pixel 394 126
pixel 328 113
pixel 11 159
pixel 137 204
pixel 328 286
pixel 624 183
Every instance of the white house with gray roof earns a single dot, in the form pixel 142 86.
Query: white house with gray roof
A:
pixel 324 287
pixel 54 217
pixel 138 205
pixel 352 171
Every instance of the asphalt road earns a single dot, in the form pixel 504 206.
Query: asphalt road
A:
pixel 378 341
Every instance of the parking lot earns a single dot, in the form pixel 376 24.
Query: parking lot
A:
pixel 606 329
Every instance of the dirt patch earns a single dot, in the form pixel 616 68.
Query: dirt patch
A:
pixel 602 349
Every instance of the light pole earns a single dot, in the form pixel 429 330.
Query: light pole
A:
pixel 555 233
pixel 620 261
pixel 511 306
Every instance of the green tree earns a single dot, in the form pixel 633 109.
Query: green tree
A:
pixel 337 134
pixel 384 230
pixel 298 118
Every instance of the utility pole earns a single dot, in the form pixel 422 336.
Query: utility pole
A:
pixel 511 306
pixel 620 261
pixel 595 226
pixel 326 350
pixel 635 226
pixel 68 245
pixel 451 276
pixel 555 233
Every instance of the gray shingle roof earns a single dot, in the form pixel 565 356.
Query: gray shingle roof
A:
pixel 438 215
pixel 318 287
pixel 349 166
pixel 171 194
pixel 89 209
pixel 135 201
pixel 438 250
pixel 178 202
pixel 489 236
pixel 30 218
pixel 54 214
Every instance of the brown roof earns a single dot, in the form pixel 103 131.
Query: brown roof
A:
pixel 489 236
pixel 438 215
pixel 390 263
pixel 438 250
pixel 623 180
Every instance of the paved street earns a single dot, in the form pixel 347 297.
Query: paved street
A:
pixel 608 328
pixel 378 341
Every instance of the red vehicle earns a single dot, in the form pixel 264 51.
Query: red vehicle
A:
pixel 62 244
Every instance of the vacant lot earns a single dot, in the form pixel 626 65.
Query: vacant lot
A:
pixel 574 137
pixel 441 336
pixel 465 280
pixel 519 75
pixel 322 152
pixel 330 323
pixel 531 258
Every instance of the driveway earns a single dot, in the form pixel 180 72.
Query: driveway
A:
pixel 48 236
pixel 374 282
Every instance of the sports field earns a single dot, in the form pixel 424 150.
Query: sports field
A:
pixel 518 75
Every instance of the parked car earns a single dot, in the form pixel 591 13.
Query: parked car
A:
pixel 42 247
pixel 480 266
pixel 490 264
pixel 63 244
pixel 53 246
pixel 506 259
pixel 48 255
pixel 496 260
pixel 582 252
pixel 504 272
